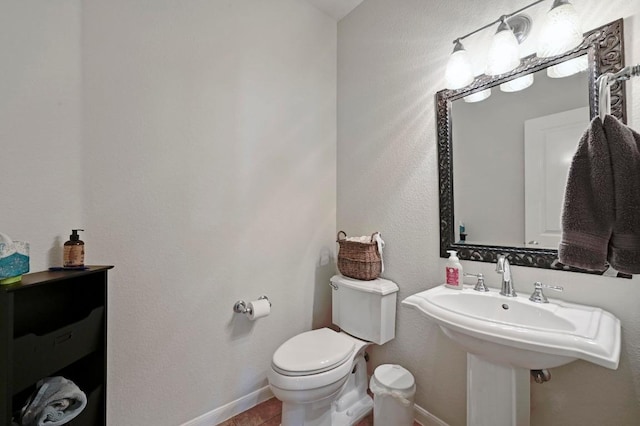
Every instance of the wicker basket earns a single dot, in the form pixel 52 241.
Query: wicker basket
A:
pixel 361 261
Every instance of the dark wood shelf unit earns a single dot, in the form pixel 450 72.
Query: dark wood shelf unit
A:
pixel 54 323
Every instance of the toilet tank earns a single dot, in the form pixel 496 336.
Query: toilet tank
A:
pixel 365 309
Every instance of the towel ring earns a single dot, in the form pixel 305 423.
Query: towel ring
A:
pixel 604 95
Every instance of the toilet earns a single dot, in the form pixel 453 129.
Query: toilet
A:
pixel 321 375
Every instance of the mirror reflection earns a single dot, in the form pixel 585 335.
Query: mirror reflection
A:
pixel 511 153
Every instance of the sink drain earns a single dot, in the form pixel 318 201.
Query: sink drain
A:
pixel 505 306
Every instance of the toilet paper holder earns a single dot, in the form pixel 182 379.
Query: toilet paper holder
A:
pixel 241 306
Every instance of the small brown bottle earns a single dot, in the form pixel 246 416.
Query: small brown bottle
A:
pixel 74 250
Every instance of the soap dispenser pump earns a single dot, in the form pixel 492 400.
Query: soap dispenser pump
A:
pixel 74 250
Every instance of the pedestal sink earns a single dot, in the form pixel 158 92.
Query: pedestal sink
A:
pixel 506 337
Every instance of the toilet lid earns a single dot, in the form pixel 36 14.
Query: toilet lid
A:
pixel 312 352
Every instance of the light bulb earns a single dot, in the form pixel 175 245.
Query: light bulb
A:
pixel 518 84
pixel 478 96
pixel 458 73
pixel 570 67
pixel 560 31
pixel 503 55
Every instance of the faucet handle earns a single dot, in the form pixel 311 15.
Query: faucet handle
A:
pixel 480 286
pixel 538 296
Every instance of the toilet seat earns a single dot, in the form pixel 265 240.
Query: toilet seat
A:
pixel 313 352
pixel 303 386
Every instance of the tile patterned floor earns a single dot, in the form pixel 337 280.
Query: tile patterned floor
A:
pixel 265 414
pixel 268 414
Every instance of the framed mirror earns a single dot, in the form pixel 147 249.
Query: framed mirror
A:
pixel 495 196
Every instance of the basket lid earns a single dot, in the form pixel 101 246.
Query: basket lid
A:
pixel 379 285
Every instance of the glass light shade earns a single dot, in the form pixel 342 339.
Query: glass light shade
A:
pixel 560 31
pixel 518 84
pixel 503 55
pixel 459 73
pixel 478 96
pixel 567 68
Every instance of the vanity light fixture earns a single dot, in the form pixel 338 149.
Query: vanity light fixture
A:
pixel 513 29
pixel 459 72
pixel 560 31
pixel 504 53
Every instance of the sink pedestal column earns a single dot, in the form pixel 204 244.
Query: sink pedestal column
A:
pixel 497 394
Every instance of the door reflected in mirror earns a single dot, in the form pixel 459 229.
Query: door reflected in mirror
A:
pixel 511 157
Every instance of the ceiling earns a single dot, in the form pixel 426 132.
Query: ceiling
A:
pixel 337 9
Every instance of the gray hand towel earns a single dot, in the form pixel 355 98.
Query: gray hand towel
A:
pixel 624 146
pixel 588 210
pixel 56 402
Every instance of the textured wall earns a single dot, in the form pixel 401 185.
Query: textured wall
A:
pixel 209 140
pixel 391 61
pixel 40 126
pixel 195 141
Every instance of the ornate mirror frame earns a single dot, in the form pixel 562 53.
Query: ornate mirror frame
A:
pixel 605 49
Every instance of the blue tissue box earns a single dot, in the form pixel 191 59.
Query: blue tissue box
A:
pixel 14 259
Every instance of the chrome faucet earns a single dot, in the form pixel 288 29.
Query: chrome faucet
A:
pixel 503 267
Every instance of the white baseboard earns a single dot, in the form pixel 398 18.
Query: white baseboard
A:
pixel 425 418
pixel 231 409
pixel 240 405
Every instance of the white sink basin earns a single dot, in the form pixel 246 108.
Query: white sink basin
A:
pixel 521 333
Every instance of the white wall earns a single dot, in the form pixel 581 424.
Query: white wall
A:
pixel 211 178
pixel 196 142
pixel 40 125
pixel 391 61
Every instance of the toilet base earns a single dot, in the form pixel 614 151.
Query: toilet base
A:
pixel 315 414
pixel 345 407
pixel 358 411
pixel 354 402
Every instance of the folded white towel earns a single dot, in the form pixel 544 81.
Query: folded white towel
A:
pixel 363 239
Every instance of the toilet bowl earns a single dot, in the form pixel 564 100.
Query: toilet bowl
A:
pixel 321 375
pixel 321 378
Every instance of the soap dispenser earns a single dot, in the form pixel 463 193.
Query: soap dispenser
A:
pixel 454 272
pixel 74 250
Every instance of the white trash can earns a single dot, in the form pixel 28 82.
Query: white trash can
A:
pixel 393 390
